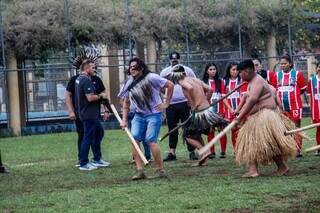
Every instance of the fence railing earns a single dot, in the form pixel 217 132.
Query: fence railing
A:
pixel 45 84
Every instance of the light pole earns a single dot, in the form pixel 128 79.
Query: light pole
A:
pixel 239 28
pixel 186 32
pixel 129 27
pixel 1 37
pixel 289 31
pixel 67 30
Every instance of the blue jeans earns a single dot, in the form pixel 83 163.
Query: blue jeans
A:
pixel 93 134
pixel 80 132
pixel 146 148
pixel 146 127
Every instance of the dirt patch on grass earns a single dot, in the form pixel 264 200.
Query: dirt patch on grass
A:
pixel 222 172
pixel 238 210
pixel 314 204
pixel 299 194
pixel 189 173
pixel 278 199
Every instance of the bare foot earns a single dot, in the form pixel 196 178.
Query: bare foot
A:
pixel 204 158
pixel 205 163
pixel 250 175
pixel 283 171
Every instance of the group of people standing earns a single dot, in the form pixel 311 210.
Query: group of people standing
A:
pixel 146 95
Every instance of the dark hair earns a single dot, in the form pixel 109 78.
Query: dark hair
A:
pixel 174 53
pixel 258 59
pixel 288 58
pixel 178 68
pixel 217 80
pixel 228 76
pixel 85 63
pixel 317 64
pixel 245 65
pixel 230 65
pixel 140 65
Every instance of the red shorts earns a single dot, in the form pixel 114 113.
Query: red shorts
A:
pixel 317 120
pixel 294 115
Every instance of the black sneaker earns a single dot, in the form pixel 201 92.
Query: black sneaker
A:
pixel 299 155
pixel 170 157
pixel 212 155
pixel 222 155
pixel 192 156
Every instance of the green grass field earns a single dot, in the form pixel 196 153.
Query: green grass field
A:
pixel 43 178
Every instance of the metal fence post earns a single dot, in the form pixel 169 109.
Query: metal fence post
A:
pixel 129 27
pixel 67 31
pixel 5 93
pixel 1 37
pixel 289 31
pixel 239 28
pixel 186 32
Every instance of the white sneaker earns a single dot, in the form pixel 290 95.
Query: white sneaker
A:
pixel 88 167
pixel 100 164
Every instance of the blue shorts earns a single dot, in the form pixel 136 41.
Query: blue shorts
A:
pixel 146 127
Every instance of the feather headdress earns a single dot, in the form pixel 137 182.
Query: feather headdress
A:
pixel 177 73
pixel 85 54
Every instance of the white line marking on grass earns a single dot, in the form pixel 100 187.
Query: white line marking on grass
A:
pixel 39 163
pixel 46 162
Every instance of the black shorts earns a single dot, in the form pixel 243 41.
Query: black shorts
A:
pixel 195 133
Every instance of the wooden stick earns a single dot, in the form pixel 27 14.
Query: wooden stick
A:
pixel 214 103
pixel 132 140
pixel 314 148
pixel 301 129
pixel 176 128
pixel 228 94
pixel 217 138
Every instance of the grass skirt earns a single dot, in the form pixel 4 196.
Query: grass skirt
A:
pixel 262 137
pixel 205 119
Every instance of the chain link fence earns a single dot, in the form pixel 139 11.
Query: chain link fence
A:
pixel 45 82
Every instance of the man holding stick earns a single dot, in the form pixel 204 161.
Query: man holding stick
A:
pixel 261 139
pixel 142 91
pixel 203 117
pixel 178 110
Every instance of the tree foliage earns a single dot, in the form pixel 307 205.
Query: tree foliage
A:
pixel 35 27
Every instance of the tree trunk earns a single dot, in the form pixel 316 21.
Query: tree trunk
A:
pixel 152 54
pixel 271 51
pixel 311 65
pixel 110 73
pixel 139 46
pixel 15 96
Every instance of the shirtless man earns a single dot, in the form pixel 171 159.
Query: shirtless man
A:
pixel 261 139
pixel 203 117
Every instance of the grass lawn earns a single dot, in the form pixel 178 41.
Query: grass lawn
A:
pixel 43 178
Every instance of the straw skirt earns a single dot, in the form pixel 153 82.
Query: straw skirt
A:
pixel 262 137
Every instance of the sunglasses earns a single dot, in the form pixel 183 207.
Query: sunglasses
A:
pixel 135 67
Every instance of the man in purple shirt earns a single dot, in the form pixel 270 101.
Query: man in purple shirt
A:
pixel 178 110
pixel 142 91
